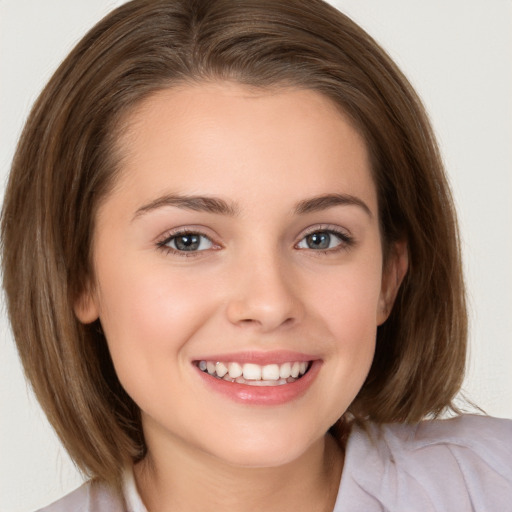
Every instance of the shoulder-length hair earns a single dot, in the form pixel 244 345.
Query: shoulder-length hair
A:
pixel 67 160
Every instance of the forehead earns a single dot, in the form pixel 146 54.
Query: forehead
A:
pixel 217 138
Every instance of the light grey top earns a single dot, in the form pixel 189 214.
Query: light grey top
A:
pixel 457 465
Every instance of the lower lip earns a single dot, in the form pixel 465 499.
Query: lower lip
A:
pixel 263 395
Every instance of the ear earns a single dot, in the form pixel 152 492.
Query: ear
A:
pixel 392 276
pixel 86 306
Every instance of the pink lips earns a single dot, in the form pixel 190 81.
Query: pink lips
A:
pixel 267 395
pixel 260 358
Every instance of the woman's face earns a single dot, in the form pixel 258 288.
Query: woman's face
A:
pixel 242 237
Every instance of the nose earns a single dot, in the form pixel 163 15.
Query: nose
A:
pixel 263 296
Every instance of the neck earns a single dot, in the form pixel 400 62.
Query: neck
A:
pixel 184 481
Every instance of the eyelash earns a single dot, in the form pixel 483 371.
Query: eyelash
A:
pixel 346 241
pixel 162 244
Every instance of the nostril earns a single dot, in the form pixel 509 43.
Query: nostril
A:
pixel 266 323
pixel 261 309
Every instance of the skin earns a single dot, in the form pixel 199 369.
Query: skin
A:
pixel 256 287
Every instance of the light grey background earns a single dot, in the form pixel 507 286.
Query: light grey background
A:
pixel 457 53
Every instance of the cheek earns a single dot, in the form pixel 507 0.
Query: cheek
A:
pixel 349 300
pixel 352 319
pixel 149 313
pixel 348 310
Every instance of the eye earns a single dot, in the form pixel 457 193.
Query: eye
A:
pixel 187 242
pixel 325 240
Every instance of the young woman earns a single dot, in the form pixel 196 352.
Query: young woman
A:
pixel 238 282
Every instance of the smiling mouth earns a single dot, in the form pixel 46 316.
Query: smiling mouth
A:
pixel 254 374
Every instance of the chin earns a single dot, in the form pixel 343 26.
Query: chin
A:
pixel 264 450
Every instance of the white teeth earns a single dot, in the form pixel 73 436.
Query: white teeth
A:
pixel 252 371
pixel 255 374
pixel 270 372
pixel 221 369
pixel 263 383
pixel 285 370
pixel 210 367
pixel 235 370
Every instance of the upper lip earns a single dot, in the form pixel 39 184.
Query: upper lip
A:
pixel 259 357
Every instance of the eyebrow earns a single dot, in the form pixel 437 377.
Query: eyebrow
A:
pixel 221 207
pixel 194 203
pixel 328 201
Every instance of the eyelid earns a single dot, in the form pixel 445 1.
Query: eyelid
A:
pixel 162 241
pixel 347 239
pixel 337 230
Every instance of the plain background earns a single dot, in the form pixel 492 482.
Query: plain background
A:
pixel 458 55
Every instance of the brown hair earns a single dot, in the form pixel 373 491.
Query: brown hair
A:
pixel 66 163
